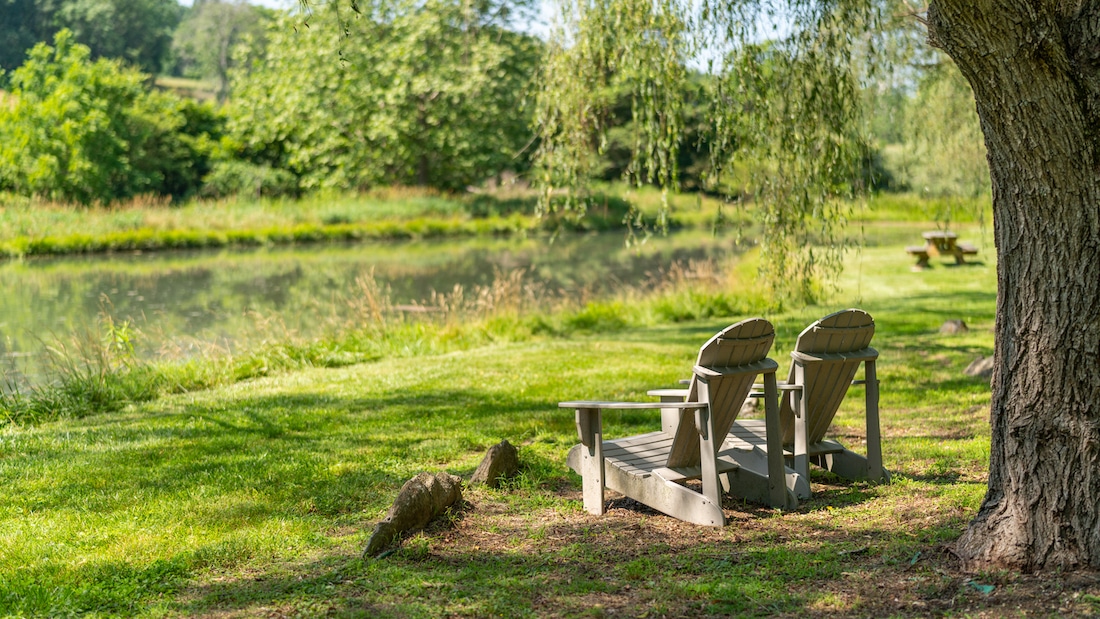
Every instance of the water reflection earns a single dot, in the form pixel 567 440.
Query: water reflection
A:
pixel 208 295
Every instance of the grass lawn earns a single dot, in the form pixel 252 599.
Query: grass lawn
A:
pixel 256 499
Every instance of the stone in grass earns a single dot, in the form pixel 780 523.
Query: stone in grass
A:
pixel 982 366
pixel 954 327
pixel 500 462
pixel 421 499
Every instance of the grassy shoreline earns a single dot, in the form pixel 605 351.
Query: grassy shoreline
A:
pixel 29 228
pixel 253 494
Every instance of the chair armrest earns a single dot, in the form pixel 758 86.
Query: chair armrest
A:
pixel 758 393
pixel 680 394
pixel 602 405
pixel 764 366
pixel 590 413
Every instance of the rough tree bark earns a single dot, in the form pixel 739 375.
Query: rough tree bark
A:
pixel 1035 70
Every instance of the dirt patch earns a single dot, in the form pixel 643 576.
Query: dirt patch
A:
pixel 671 556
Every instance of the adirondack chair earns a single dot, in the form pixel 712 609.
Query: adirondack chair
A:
pixel 824 362
pixel 652 468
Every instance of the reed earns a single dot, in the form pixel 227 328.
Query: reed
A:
pixel 96 370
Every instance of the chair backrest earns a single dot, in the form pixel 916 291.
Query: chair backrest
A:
pixel 737 346
pixel 826 383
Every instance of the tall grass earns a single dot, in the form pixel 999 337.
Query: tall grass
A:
pixel 32 227
pixel 96 370
pixel 84 373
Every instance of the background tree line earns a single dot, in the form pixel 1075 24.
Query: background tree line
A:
pixel 436 94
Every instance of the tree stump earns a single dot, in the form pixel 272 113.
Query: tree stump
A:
pixel 500 462
pixel 420 500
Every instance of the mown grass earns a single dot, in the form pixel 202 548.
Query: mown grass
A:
pixel 256 497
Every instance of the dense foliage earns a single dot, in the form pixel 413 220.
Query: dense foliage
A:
pixel 89 131
pixel 426 94
pixel 436 94
pixel 138 32
pixel 942 152
pixel 204 42
pixel 778 114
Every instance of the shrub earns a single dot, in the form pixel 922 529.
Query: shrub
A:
pixel 91 132
pixel 234 177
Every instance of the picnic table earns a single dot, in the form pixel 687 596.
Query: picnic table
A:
pixel 942 243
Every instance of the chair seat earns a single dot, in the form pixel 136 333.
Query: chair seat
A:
pixel 749 433
pixel 646 454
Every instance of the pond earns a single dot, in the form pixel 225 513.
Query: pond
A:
pixel 181 300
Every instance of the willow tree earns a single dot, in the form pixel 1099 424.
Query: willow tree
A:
pixel 785 79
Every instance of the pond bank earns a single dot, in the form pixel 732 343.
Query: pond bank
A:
pixel 32 229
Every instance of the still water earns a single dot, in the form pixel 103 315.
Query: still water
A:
pixel 177 300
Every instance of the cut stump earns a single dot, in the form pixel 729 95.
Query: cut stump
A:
pixel 420 500
pixel 500 462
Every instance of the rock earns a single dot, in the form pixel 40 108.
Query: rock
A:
pixel 982 366
pixel 500 462
pixel 749 407
pixel 954 327
pixel 421 499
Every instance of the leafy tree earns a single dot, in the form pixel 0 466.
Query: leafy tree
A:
pixel 786 109
pixel 1034 71
pixel 938 147
pixel 21 26
pixel 136 31
pixel 205 39
pixel 616 154
pixel 90 132
pixel 424 93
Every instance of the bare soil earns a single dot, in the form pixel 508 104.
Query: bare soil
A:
pixel 929 584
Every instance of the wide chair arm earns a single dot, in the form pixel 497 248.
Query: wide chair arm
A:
pixel 590 413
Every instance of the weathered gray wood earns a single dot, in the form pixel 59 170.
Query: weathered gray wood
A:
pixel 874 433
pixel 590 427
pixel 826 358
pixel 777 487
pixel 650 467
pixel 670 417
pixel 744 346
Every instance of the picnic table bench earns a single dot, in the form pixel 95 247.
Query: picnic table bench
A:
pixel 943 244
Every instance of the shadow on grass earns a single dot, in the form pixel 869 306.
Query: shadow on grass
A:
pixel 629 562
pixel 321 461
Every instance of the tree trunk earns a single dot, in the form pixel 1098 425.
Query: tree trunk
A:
pixel 1035 71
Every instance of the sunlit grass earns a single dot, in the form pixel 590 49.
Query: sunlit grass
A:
pixel 257 495
pixel 32 227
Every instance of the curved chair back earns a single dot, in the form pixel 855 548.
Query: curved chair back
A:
pixel 742 346
pixel 825 382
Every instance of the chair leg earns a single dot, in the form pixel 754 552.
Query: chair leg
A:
pixel 801 464
pixel 777 481
pixel 590 428
pixel 708 462
pixel 875 470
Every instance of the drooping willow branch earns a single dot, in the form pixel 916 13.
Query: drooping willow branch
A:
pixel 784 83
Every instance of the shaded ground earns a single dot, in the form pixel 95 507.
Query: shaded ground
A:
pixel 872 583
pixel 635 562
